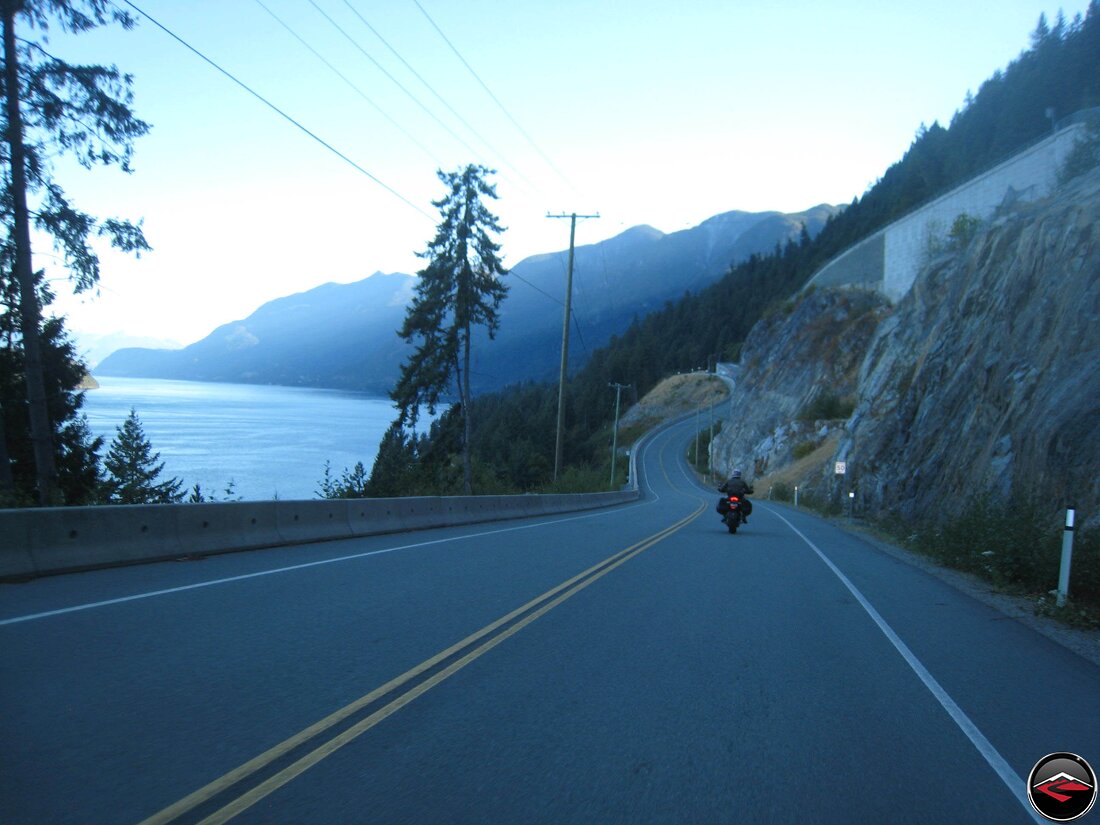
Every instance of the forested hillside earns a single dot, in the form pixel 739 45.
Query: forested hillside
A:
pixel 514 429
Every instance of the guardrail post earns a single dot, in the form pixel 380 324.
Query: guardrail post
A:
pixel 1067 558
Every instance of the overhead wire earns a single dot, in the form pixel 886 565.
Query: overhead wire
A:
pixel 573 308
pixel 494 98
pixel 425 108
pixel 350 83
pixel 394 80
pixel 302 127
pixel 607 281
pixel 440 97
pixel 277 110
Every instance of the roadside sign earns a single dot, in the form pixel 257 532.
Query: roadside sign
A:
pixel 841 468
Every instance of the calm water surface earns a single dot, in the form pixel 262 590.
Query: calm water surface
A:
pixel 270 441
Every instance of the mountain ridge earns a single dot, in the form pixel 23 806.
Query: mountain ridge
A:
pixel 343 336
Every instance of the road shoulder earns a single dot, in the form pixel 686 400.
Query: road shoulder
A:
pixel 1085 643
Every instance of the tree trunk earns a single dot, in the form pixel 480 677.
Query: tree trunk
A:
pixel 41 432
pixel 7 482
pixel 467 469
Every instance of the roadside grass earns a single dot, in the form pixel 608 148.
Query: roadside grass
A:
pixel 1017 547
pixel 1014 545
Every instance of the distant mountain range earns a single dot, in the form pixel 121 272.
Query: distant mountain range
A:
pixel 344 335
pixel 94 347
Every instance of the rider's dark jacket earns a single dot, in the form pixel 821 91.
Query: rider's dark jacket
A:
pixel 735 487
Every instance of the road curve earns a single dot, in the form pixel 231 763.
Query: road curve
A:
pixel 637 664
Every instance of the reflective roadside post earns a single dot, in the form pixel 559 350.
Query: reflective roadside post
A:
pixel 710 445
pixel 615 432
pixel 696 439
pixel 1067 558
pixel 841 471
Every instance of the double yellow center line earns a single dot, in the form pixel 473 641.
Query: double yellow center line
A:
pixel 467 650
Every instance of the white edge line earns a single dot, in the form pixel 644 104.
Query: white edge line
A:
pixel 122 599
pixel 1015 784
pixel 258 573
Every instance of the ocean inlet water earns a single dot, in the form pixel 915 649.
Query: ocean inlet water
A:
pixel 270 442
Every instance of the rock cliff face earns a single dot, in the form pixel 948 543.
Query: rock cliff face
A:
pixel 984 377
pixel 808 350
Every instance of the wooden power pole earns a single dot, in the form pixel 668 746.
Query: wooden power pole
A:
pixel 615 431
pixel 565 339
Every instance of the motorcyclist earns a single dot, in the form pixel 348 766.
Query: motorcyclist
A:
pixel 737 486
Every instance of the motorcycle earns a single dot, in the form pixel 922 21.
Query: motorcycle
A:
pixel 730 508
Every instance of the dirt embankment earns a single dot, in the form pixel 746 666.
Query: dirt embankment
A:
pixel 674 396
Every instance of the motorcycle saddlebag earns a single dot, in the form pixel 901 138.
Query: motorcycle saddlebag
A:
pixel 723 506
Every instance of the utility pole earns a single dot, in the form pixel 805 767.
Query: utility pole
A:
pixel 710 444
pixel 696 439
pixel 615 432
pixel 565 338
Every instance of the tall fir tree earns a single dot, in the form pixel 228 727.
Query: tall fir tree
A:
pixel 133 471
pixel 76 450
pixel 53 108
pixel 458 289
pixel 395 464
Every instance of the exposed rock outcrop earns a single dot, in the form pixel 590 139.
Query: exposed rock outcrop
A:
pixel 987 376
pixel 808 350
pixel 984 377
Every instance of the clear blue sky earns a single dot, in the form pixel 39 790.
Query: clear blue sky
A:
pixel 649 112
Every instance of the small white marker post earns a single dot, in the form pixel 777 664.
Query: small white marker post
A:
pixel 796 495
pixel 1067 558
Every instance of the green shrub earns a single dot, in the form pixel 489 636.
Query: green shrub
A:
pixel 804 449
pixel 827 406
pixel 963 230
pixel 1017 546
pixel 591 479
pixel 1085 155
pixel 782 491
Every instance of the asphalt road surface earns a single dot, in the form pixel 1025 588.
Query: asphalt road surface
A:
pixel 636 665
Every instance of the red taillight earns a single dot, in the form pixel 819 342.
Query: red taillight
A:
pixel 734 498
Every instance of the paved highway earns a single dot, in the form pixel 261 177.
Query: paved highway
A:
pixel 631 665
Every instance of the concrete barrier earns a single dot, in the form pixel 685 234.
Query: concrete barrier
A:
pixel 75 538
pixel 17 562
pixel 41 541
pixel 218 528
pixel 369 516
pixel 303 521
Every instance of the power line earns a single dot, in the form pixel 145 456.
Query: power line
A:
pixel 489 92
pixel 537 289
pixel 577 327
pixel 573 309
pixel 558 442
pixel 394 80
pixel 277 110
pixel 355 88
pixel 439 97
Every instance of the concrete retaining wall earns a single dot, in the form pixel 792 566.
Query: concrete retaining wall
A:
pixel 39 541
pixel 891 258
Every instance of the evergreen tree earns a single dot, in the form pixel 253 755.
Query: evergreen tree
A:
pixel 459 288
pixel 133 471
pixel 76 450
pixel 53 108
pixel 395 464
pixel 351 484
